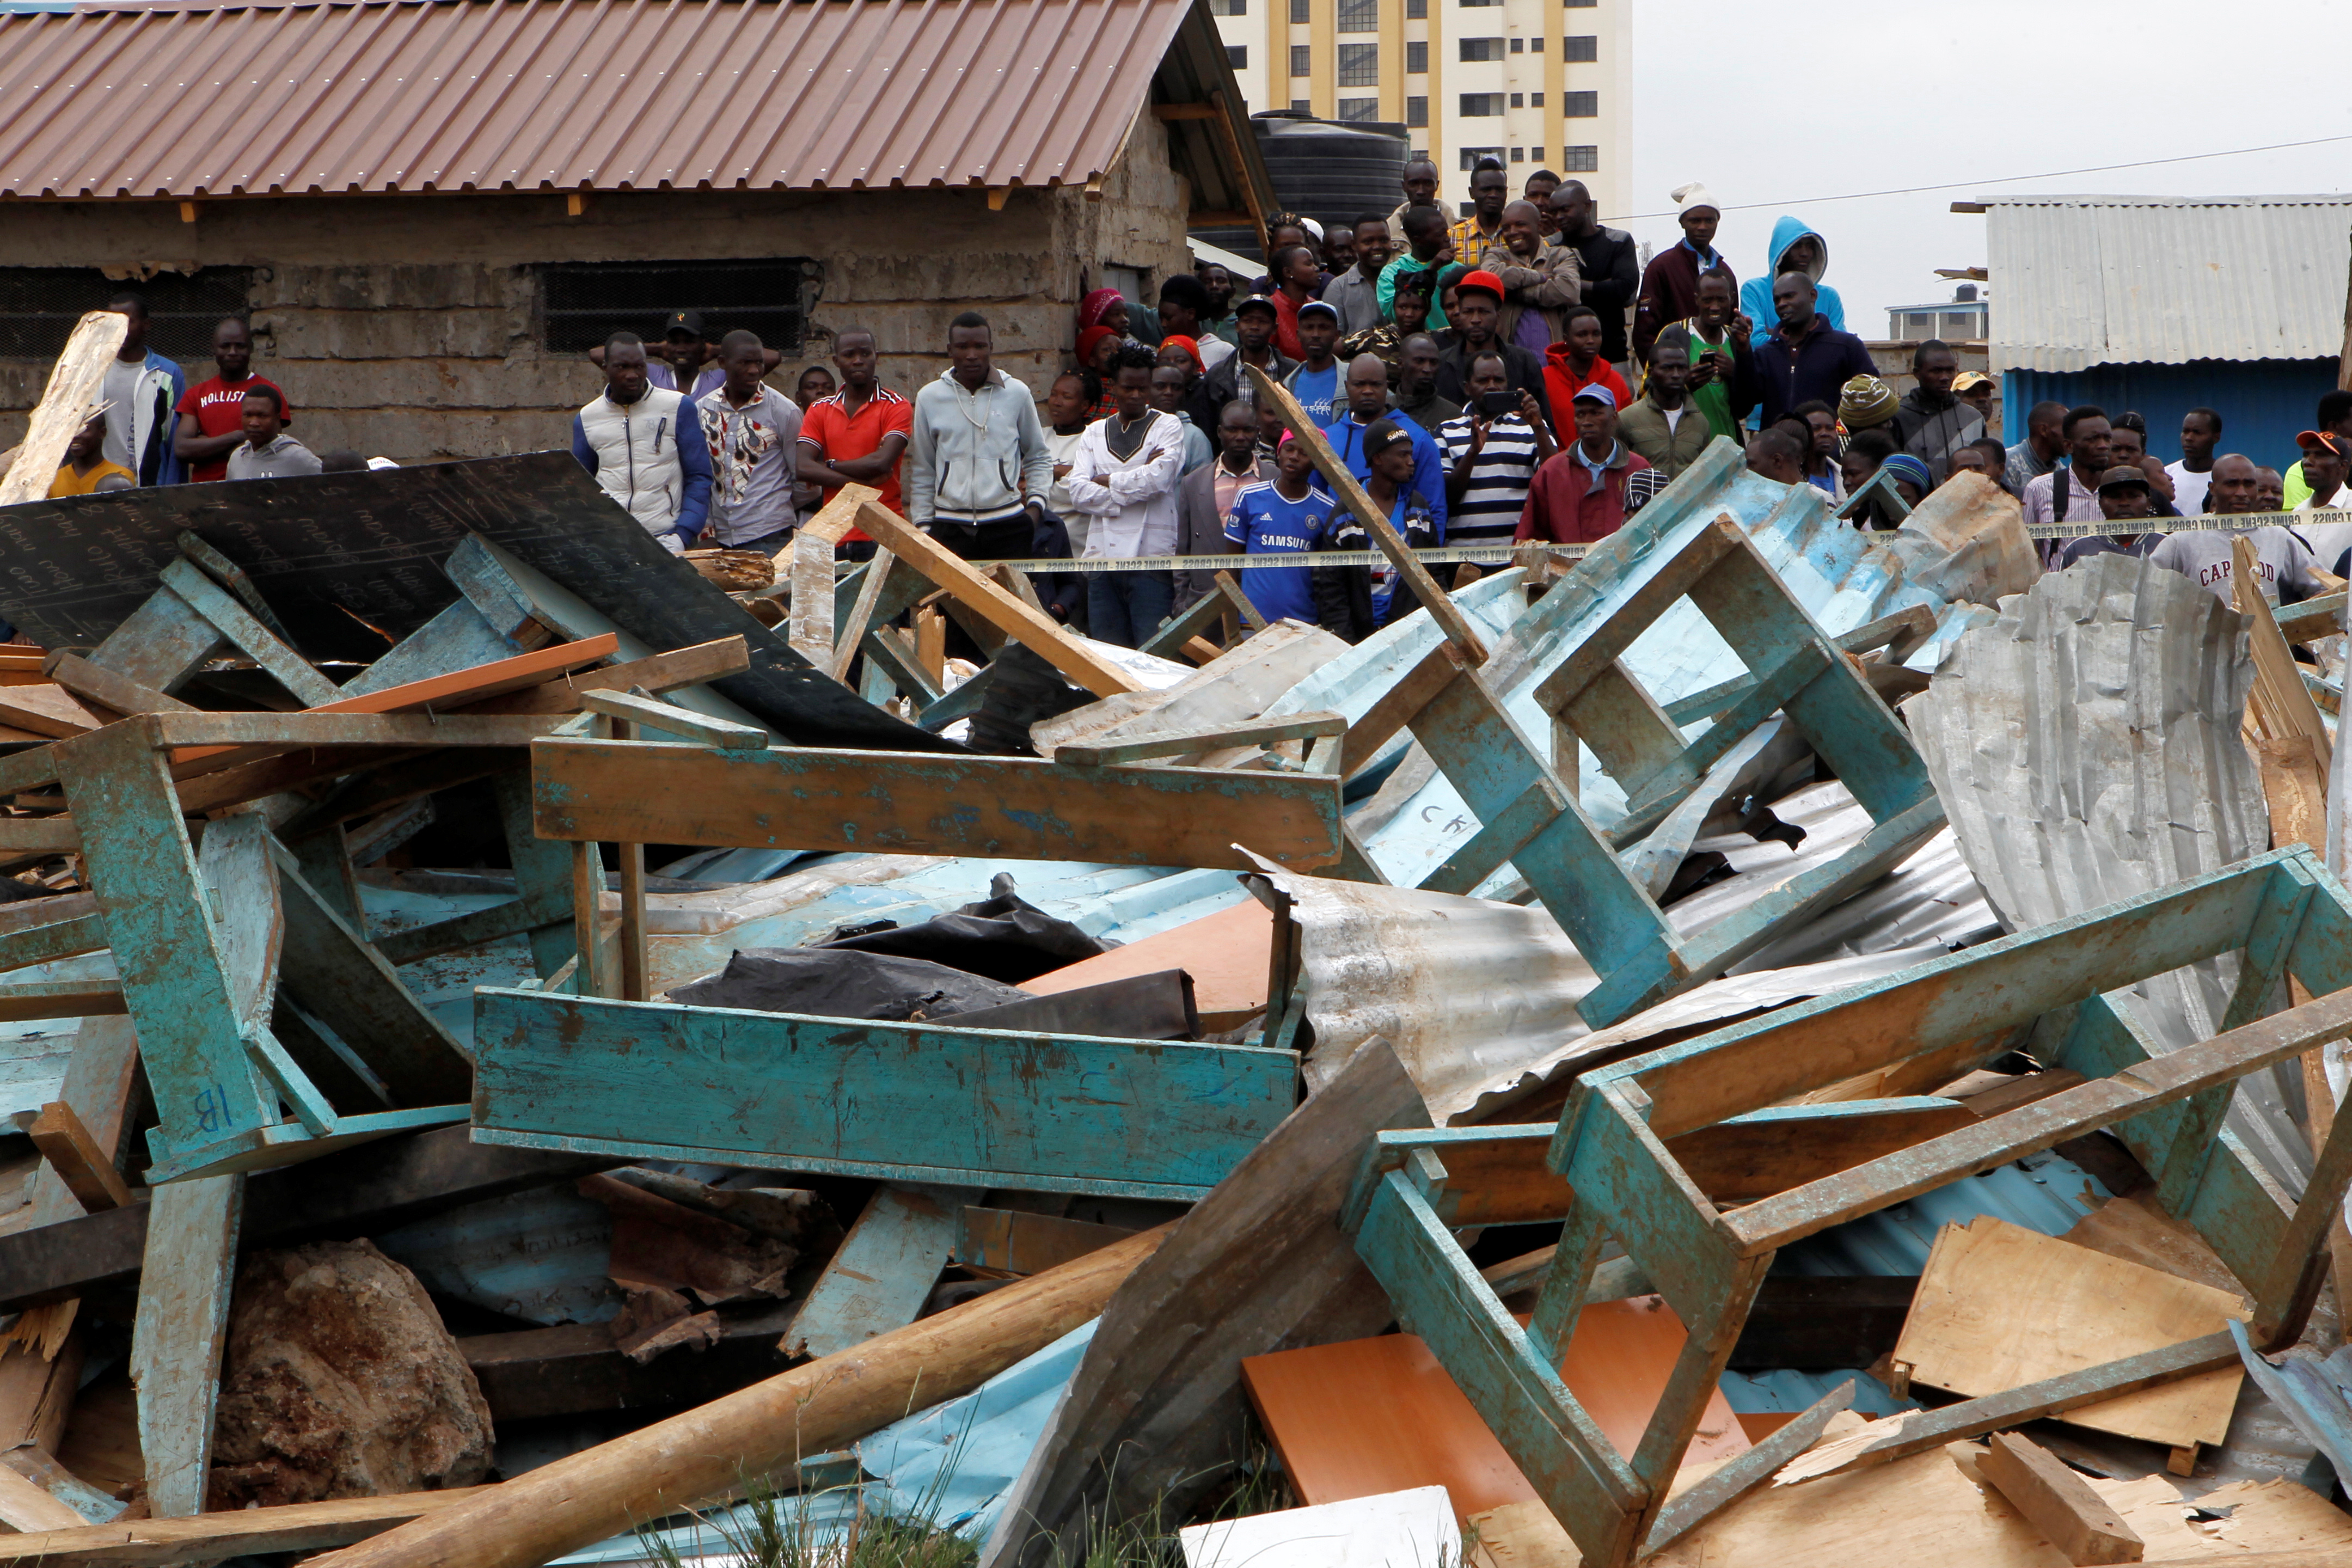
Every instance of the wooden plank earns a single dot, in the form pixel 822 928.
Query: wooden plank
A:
pixel 1033 630
pixel 2060 1503
pixel 761 1430
pixel 979 1106
pixel 659 673
pixel 2280 704
pixel 72 390
pixel 1015 808
pixel 210 1538
pixel 576 1370
pixel 883 1271
pixel 465 689
pixel 841 651
pixel 347 983
pixel 1258 1266
pixel 810 630
pixel 39 835
pixel 49 709
pixel 2001 1306
pixel 160 644
pixel 665 720
pixel 1016 1242
pixel 1352 493
pixel 1184 742
pixel 180 1332
pixel 247 632
pixel 27 1508
pixel 75 1154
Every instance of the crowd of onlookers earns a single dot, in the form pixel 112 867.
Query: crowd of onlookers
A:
pixel 1514 373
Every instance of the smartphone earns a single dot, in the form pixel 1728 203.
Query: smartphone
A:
pixel 1495 405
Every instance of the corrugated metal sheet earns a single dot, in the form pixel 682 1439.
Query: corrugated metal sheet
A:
pixel 2086 749
pixel 2085 281
pixel 556 95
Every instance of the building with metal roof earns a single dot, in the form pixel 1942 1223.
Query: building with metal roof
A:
pixel 431 208
pixel 2166 303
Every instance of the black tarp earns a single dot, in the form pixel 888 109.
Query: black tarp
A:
pixel 347 560
pixel 834 984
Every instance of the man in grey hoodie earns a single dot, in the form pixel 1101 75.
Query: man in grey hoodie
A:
pixel 979 470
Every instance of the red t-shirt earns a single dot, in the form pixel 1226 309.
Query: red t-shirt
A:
pixel 218 408
pixel 837 434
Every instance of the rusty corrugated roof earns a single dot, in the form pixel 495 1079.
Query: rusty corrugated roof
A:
pixel 194 101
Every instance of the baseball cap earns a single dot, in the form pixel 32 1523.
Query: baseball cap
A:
pixel 2121 475
pixel 1381 435
pixel 1969 380
pixel 684 321
pixel 1258 302
pixel 1481 279
pixel 2333 443
pixel 1319 308
pixel 1594 392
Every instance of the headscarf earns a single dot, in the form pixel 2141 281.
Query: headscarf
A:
pixel 1091 308
pixel 1086 342
pixel 1189 345
pixel 1904 466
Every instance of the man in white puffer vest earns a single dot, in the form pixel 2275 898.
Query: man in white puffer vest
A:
pixel 629 438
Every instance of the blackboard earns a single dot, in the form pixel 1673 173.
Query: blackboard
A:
pixel 351 563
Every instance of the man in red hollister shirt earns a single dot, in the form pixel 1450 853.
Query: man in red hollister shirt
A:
pixel 212 413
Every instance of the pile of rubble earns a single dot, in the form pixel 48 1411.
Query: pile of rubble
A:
pixel 1764 1043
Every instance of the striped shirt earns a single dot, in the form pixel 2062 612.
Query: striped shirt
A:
pixel 1488 512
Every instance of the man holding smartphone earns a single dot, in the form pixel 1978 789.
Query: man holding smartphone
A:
pixel 1491 454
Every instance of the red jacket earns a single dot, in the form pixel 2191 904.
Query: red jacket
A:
pixel 1561 384
pixel 1565 507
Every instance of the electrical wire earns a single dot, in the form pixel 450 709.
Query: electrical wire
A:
pixel 2007 179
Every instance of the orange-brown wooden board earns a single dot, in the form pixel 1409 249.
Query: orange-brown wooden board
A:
pixel 1366 1416
pixel 48 708
pixel 1227 954
pixel 459 688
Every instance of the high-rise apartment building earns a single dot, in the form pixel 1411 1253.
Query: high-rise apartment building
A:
pixel 1537 83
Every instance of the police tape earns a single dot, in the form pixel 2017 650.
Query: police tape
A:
pixel 1501 554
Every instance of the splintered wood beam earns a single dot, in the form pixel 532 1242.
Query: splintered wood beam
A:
pixel 1255 733
pixel 1352 495
pixel 108 690
pixel 1030 627
pixel 2059 1503
pixel 64 406
pixel 1017 809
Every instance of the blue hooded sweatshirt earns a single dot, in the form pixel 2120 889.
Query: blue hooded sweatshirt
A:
pixel 1756 294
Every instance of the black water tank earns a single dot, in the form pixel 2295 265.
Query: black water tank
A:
pixel 1328 170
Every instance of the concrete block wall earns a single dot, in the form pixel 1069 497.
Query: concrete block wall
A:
pixel 407 327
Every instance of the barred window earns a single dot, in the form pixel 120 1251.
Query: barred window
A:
pixel 1228 7
pixel 1580 105
pixel 40 305
pixel 1580 160
pixel 1416 60
pixel 1360 15
pixel 1360 110
pixel 1301 59
pixel 1298 10
pixel 584 302
pixel 1416 114
pixel 1237 56
pixel 1482 48
pixel 1470 157
pixel 1581 46
pixel 1481 105
pixel 1360 65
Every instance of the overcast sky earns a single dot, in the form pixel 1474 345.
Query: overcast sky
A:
pixel 1775 104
